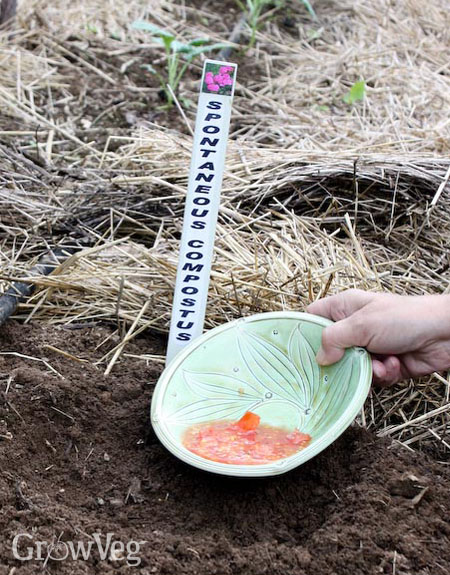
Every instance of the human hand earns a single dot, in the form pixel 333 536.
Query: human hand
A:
pixel 408 336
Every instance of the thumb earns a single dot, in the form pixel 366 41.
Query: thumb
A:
pixel 341 305
pixel 336 339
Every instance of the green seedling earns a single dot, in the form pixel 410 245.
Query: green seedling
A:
pixel 91 29
pixel 322 107
pixel 178 56
pixel 310 9
pixel 253 10
pixel 356 93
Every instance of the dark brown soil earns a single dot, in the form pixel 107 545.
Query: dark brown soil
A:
pixel 78 457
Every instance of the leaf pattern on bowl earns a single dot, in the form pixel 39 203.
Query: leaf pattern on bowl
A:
pixel 293 377
pixel 220 385
pixel 337 389
pixel 206 409
pixel 270 367
pixel 302 355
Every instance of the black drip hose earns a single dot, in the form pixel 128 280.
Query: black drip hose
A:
pixel 19 291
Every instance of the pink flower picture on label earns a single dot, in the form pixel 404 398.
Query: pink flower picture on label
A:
pixel 218 79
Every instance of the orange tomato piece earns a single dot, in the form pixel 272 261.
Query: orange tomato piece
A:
pixel 249 421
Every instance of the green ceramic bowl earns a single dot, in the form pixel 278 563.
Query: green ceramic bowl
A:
pixel 266 364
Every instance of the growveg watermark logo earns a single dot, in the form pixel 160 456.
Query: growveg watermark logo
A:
pixel 26 547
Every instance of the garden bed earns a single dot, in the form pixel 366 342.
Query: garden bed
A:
pixel 82 459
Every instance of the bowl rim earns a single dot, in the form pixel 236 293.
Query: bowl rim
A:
pixel 274 467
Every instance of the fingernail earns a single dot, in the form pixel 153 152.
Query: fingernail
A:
pixel 391 362
pixel 321 357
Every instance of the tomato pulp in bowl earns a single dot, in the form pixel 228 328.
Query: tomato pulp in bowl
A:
pixel 243 442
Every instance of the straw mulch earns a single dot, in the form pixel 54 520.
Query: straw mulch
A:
pixel 318 196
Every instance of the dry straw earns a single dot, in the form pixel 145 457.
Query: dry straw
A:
pixel 319 196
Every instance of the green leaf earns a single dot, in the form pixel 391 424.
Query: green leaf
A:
pixel 198 42
pixel 310 9
pixel 187 103
pixel 315 34
pixel 148 27
pixel 91 28
pixel 356 93
pixel 216 46
pixel 180 47
pixel 192 52
pixel 149 68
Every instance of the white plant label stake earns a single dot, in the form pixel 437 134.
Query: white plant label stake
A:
pixel 202 204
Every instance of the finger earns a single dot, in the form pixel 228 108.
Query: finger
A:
pixel 378 371
pixel 342 305
pixel 338 337
pixel 392 371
